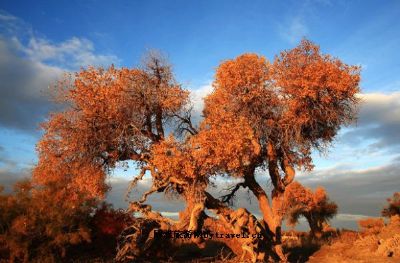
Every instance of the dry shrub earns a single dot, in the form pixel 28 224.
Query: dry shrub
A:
pixel 371 225
pixel 395 220
pixel 369 242
pixel 390 247
pixel 347 236
pixel 40 224
pixel 107 224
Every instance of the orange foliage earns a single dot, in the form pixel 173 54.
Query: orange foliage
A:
pixel 226 146
pixel 113 116
pixel 38 223
pixel 298 102
pixel 174 159
pixel 314 206
pixel 108 221
pixel 318 91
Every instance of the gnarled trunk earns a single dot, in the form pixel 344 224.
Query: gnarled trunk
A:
pixel 271 215
pixel 315 226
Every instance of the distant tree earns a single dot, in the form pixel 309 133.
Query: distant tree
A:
pixel 393 207
pixel 314 206
pixel 259 115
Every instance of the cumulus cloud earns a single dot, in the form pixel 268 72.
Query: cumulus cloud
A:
pixel 72 53
pixel 363 191
pixel 29 64
pixel 197 98
pixel 379 122
pixel 23 103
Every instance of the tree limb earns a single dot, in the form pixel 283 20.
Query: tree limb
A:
pixel 273 167
pixel 153 189
pixel 228 197
pixel 134 182
pixel 263 200
pixel 289 171
pixel 186 120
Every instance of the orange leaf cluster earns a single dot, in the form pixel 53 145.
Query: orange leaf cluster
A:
pixel 314 206
pixel 113 115
pixel 296 103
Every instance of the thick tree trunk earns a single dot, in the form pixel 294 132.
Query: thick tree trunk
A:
pixel 271 217
pixel 227 221
pixel 315 226
pixel 240 222
pixel 277 205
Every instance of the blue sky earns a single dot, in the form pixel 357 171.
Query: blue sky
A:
pixel 199 34
pixel 41 39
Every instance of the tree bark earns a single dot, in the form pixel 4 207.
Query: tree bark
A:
pixel 270 217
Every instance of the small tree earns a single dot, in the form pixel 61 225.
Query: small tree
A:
pixel 393 207
pixel 314 206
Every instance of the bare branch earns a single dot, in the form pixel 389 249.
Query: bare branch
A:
pixel 152 190
pixel 186 122
pixel 134 182
pixel 228 197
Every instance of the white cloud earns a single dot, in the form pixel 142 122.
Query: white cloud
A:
pixel 29 64
pixel 381 107
pixel 197 96
pixel 378 124
pixel 22 82
pixel 350 217
pixel 173 215
pixel 72 53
